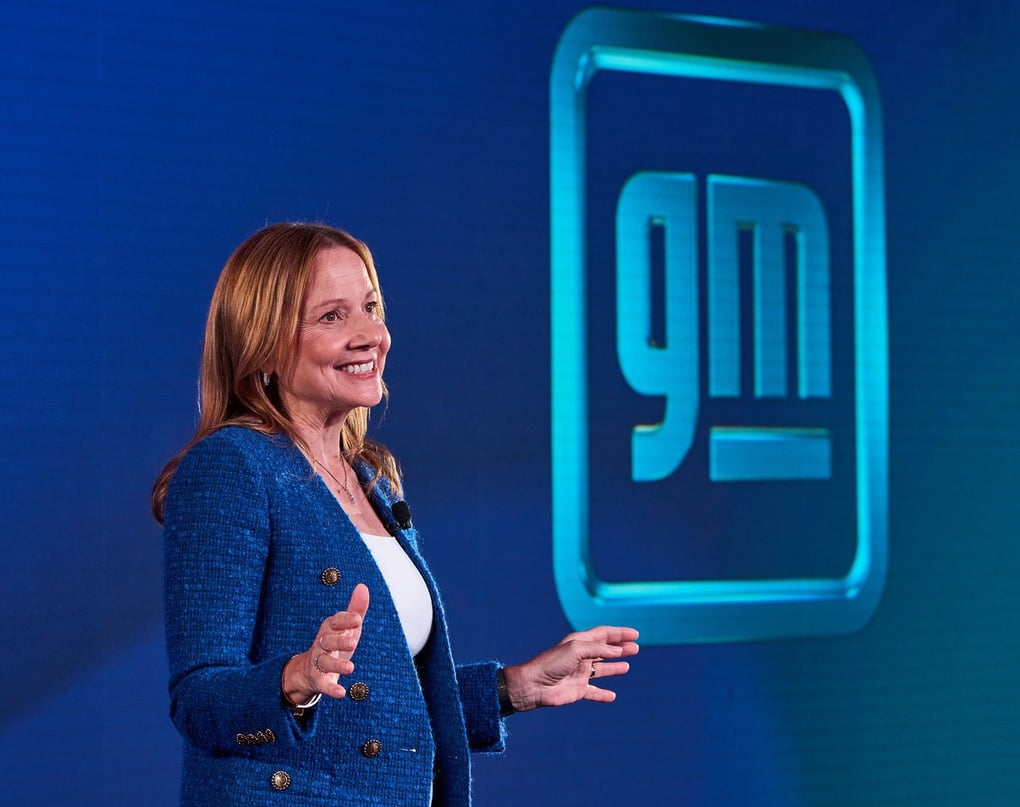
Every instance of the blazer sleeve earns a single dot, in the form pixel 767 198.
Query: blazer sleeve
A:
pixel 216 544
pixel 480 701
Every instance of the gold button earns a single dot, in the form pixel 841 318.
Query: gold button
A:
pixel 358 691
pixel 330 577
pixel 280 780
pixel 372 748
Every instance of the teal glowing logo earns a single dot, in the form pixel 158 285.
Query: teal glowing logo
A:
pixel 776 216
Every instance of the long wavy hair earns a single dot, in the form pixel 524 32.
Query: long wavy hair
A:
pixel 253 319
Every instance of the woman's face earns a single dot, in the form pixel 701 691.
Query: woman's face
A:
pixel 342 343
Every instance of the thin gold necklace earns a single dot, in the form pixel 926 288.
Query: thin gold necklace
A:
pixel 342 484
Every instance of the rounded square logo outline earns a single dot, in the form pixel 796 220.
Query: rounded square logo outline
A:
pixel 679 611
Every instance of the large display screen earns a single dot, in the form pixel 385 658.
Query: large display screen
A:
pixel 703 321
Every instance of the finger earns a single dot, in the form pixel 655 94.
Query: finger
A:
pixel 605 669
pixel 340 641
pixel 344 621
pixel 598 695
pixel 344 627
pixel 359 600
pixel 607 634
pixel 325 664
pixel 611 634
pixel 619 649
pixel 354 615
pixel 590 649
pixel 334 691
pixel 629 648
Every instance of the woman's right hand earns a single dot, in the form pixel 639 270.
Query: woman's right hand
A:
pixel 319 668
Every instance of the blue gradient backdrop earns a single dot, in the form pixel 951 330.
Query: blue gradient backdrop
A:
pixel 140 142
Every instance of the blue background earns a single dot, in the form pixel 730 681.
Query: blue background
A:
pixel 139 143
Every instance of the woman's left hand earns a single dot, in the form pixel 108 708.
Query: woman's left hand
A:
pixel 568 671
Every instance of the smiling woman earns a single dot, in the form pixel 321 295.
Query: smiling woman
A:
pixel 338 362
pixel 279 522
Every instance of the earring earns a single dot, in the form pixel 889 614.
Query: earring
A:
pixel 266 379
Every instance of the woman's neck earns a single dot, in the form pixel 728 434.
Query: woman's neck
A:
pixel 322 439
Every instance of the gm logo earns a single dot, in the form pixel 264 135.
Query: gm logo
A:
pixel 745 316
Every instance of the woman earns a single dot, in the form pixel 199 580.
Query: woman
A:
pixel 309 656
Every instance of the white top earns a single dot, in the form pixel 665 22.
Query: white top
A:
pixel 407 588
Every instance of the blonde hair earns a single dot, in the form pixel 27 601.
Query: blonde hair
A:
pixel 253 319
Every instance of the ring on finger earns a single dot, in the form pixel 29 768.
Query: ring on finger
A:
pixel 315 663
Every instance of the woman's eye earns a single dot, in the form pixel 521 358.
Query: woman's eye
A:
pixel 372 308
pixel 331 316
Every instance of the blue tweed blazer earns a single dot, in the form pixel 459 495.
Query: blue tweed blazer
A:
pixel 257 554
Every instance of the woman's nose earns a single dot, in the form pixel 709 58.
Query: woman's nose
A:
pixel 370 331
